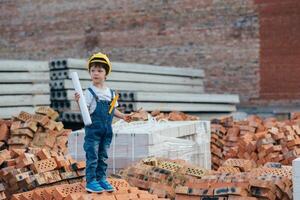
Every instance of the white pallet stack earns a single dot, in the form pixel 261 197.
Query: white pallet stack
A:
pixel 189 140
pixel 23 85
pixel 296 178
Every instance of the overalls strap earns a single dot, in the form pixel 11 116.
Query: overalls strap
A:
pixel 112 94
pixel 93 93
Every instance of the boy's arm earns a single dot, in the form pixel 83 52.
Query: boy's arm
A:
pixel 119 114
pixel 123 116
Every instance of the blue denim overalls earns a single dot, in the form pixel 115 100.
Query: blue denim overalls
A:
pixel 97 139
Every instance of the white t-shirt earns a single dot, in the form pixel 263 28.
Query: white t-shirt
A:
pixel 102 94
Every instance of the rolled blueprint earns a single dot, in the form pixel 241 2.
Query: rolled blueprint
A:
pixel 82 104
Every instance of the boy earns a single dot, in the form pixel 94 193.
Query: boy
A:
pixel 98 135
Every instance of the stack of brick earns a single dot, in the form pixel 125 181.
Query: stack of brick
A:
pixel 238 180
pixel 76 191
pixel 25 169
pixel 142 115
pixel 235 179
pixel 161 176
pixel 173 116
pixel 242 186
pixel 34 130
pixel 259 140
pixel 217 144
pixel 33 152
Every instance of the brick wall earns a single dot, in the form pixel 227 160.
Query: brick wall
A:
pixel 219 36
pixel 279 51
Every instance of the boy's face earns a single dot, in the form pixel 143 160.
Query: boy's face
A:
pixel 97 73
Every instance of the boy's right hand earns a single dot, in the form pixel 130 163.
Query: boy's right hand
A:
pixel 77 96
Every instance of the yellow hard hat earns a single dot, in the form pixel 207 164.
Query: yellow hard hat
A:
pixel 100 58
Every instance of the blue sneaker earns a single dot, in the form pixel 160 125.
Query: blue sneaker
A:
pixel 94 187
pixel 106 185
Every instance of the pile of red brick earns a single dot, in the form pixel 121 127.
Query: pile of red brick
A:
pixel 26 169
pixel 34 130
pixel 161 176
pixel 33 151
pixel 236 179
pixel 142 115
pixel 76 191
pixel 255 139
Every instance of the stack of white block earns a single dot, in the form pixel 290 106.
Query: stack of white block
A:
pixel 296 178
pixel 189 140
pixel 24 84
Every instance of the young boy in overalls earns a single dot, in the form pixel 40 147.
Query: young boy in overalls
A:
pixel 98 135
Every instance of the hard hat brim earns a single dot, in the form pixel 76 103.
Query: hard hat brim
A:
pixel 98 61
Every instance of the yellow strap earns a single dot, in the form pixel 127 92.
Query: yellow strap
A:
pixel 113 103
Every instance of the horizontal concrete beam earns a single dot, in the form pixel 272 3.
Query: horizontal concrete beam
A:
pixel 129 86
pixel 24 88
pixel 129 77
pixel 128 67
pixel 23 66
pixel 24 100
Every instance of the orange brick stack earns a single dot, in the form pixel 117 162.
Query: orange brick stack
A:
pixel 34 130
pixel 243 185
pixel 161 176
pixel 32 152
pixel 76 191
pixel 142 115
pixel 26 169
pixel 236 179
pixel 255 139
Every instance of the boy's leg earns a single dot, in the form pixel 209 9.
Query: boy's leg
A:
pixel 102 166
pixel 91 146
pixel 103 156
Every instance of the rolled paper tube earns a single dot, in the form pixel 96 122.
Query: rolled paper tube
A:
pixel 82 104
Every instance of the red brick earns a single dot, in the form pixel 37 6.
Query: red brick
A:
pixel 4 132
pixel 62 191
pixel 16 196
pixel 38 194
pixel 44 165
pixel 118 183
pixel 186 197
pixel 74 196
pixel 122 196
pixel 48 193
pixel 43 154
pixel 26 195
